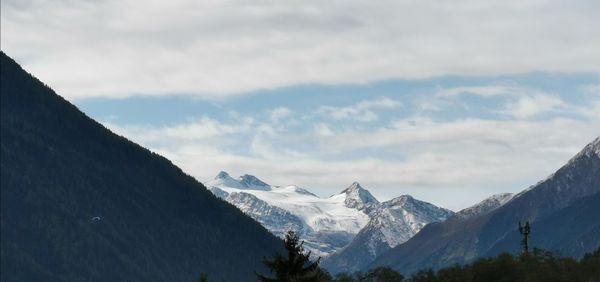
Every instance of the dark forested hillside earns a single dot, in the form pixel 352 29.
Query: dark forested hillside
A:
pixel 79 203
pixel 537 265
pixel 564 210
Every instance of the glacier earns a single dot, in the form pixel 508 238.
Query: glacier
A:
pixel 326 225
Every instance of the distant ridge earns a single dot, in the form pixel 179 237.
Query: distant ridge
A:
pixel 487 205
pixel 79 203
pixel 564 210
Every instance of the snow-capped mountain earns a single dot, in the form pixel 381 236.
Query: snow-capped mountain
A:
pixel 359 198
pixel 243 182
pixel 276 219
pixel 327 224
pixel 485 206
pixel 392 223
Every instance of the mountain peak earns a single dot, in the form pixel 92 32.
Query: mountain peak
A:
pixel 245 181
pixel 411 205
pixel 401 199
pixel 222 175
pixel 358 197
pixel 251 181
pixel 354 186
pixel 391 223
pixel 405 197
pixel 224 179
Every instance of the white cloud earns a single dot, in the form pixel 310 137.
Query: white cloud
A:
pixel 266 129
pixel 280 113
pixel 360 111
pixel 521 102
pixel 322 129
pixel 529 106
pixel 381 103
pixel 453 161
pixel 224 47
pixel 593 89
pixel 485 91
pixel 439 158
pixel 471 153
pixel 205 130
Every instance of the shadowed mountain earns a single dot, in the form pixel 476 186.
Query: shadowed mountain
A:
pixel 392 222
pixel 564 211
pixel 79 203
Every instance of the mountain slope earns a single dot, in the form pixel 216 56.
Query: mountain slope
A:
pixel 325 224
pixel 359 198
pixel 79 203
pixel 487 205
pixel 572 231
pixel 392 223
pixel 548 204
pixel 352 222
pixel 275 219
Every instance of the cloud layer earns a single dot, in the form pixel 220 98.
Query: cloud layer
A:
pixel 447 100
pixel 219 48
pixel 453 153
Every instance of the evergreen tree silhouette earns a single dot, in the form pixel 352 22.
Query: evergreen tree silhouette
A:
pixel 296 267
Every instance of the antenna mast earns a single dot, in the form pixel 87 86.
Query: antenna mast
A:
pixel 525 230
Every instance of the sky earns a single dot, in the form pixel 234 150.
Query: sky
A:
pixel 449 101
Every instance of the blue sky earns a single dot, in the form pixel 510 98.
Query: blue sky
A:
pixel 468 137
pixel 573 88
pixel 449 101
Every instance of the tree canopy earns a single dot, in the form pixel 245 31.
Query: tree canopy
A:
pixel 296 267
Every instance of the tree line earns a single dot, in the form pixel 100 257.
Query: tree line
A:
pixel 537 265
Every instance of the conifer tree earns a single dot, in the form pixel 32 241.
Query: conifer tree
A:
pixel 296 267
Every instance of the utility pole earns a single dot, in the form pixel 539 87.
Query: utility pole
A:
pixel 525 230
